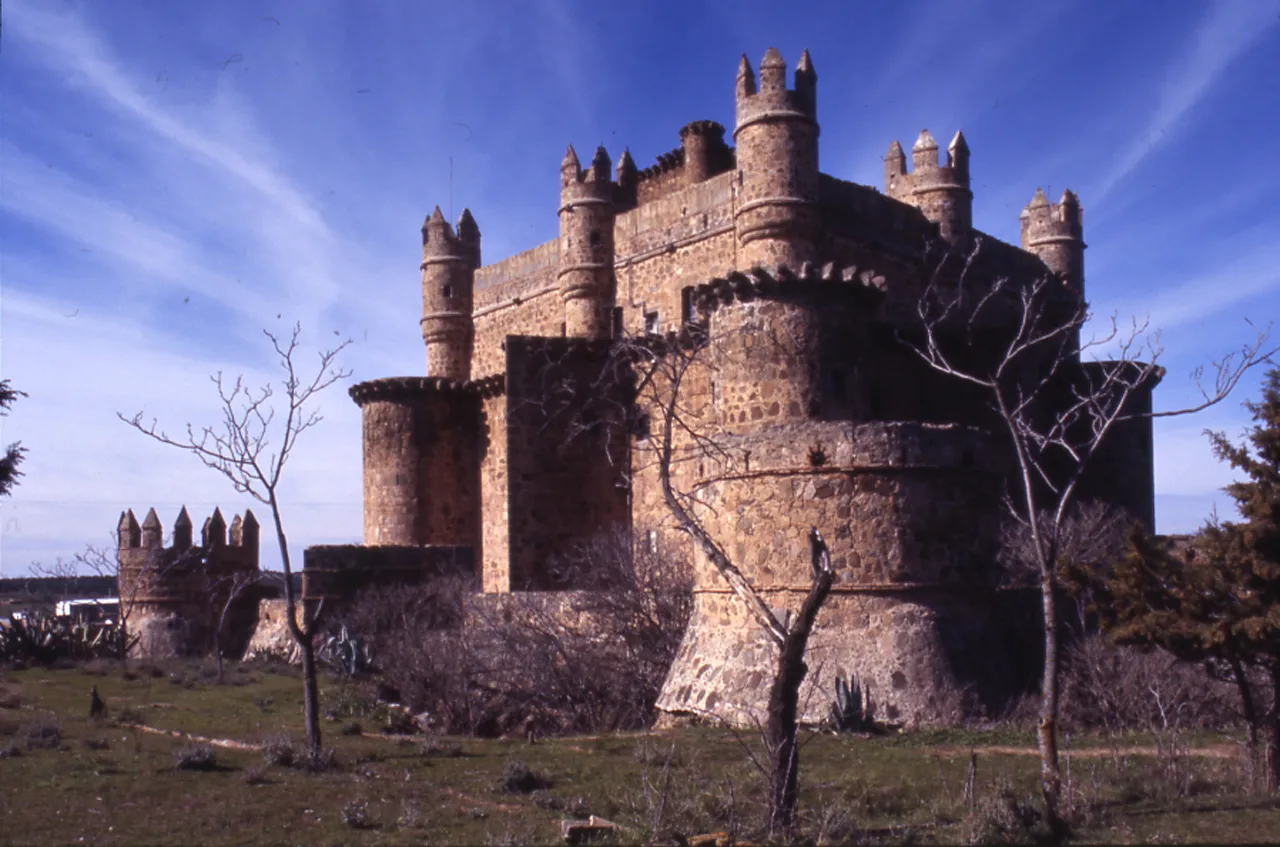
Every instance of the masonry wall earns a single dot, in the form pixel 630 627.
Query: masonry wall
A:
pixel 567 457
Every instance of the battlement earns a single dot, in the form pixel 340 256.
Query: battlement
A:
pixel 150 535
pixel 440 242
pixel 151 573
pixel 770 99
pixel 1046 223
pixel 595 174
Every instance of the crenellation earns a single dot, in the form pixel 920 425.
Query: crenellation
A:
pixel 182 528
pixel 152 531
pixel 214 532
pixel 128 533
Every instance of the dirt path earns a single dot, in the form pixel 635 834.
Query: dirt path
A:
pixel 1209 751
pixel 228 743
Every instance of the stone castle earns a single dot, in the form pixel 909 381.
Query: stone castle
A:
pixel 823 417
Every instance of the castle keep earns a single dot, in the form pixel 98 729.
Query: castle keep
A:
pixel 823 417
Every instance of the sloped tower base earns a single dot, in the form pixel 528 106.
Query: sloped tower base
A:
pixel 920 659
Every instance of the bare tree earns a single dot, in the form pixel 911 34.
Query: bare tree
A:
pixel 227 592
pixel 662 370
pixel 250 447
pixel 1018 346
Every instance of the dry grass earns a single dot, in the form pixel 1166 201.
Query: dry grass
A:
pixel 885 789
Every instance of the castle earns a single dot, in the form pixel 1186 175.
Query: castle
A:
pixel 823 417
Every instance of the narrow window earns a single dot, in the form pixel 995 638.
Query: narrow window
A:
pixel 688 314
pixel 617 322
pixel 652 539
pixel 594 238
pixel 448 291
pixel 651 325
pixel 837 385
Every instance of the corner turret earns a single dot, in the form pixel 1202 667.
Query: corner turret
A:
pixel 587 214
pixel 449 265
pixel 1055 233
pixel 941 192
pixel 705 153
pixel 776 136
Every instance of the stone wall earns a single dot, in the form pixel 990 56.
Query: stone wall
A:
pixel 337 572
pixel 567 454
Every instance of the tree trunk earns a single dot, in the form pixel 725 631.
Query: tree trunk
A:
pixel 310 695
pixel 1246 703
pixel 1273 749
pixel 1050 775
pixel 784 699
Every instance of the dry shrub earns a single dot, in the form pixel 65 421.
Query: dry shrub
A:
pixel 43 736
pixel 280 751
pixel 1125 688
pixel 197 757
pixel 356 815
pixel 540 662
pixel 256 775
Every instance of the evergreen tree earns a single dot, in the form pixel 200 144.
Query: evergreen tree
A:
pixel 13 454
pixel 1218 601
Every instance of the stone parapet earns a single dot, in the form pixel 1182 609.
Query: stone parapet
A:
pixel 336 572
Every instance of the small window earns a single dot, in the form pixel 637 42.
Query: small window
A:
pixel 617 322
pixel 651 325
pixel 688 313
pixel 652 539
pixel 448 291
pixel 594 238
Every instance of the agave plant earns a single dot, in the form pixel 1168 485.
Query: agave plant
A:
pixel 41 638
pixel 849 710
pixel 350 654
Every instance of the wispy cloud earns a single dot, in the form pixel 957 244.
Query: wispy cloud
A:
pixel 65 43
pixel 1229 29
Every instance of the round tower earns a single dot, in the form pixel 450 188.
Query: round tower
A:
pixel 421 461
pixel 776 134
pixel 587 215
pixel 449 265
pixel 704 150
pixel 1055 233
pixel 941 192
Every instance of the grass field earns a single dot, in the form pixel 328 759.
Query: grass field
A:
pixel 65 778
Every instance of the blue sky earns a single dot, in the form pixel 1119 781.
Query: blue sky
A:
pixel 174 176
